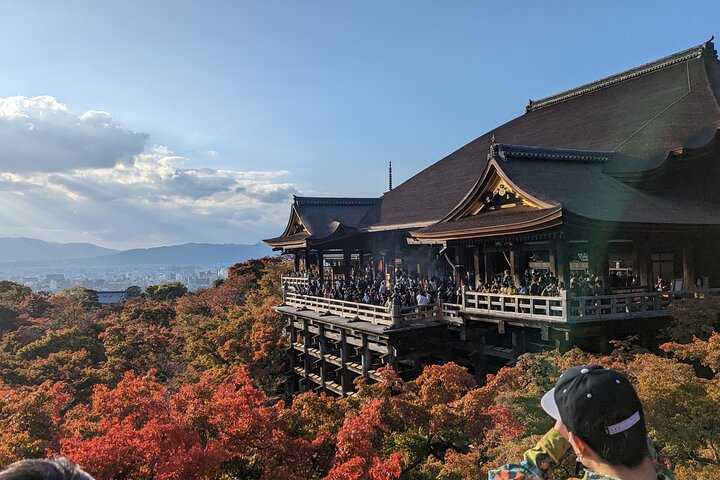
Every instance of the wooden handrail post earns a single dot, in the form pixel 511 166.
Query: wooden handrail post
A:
pixel 284 292
pixel 395 312
pixel 565 305
pixel 463 296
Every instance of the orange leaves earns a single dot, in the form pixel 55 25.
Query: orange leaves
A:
pixel 359 430
pixel 141 430
pixel 444 383
pixel 357 453
pixel 354 468
pixel 359 468
pixel 387 469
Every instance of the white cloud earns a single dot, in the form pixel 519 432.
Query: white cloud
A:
pixel 40 134
pixel 117 193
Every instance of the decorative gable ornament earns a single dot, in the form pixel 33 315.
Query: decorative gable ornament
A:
pixel 501 195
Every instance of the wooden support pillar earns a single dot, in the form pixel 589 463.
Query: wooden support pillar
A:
pixel 642 266
pixel 395 256
pixel 320 263
pixel 563 344
pixel 323 351
pixel 688 266
pixel 562 263
pixel 487 270
pixel 344 377
pixel 545 332
pixel 366 356
pixel 476 266
pixel 346 262
pixel 518 341
pixel 392 359
pixel 600 259
pixel 604 340
pixel 293 359
pixel 516 264
pixel 457 272
pixel 306 345
pixel 293 332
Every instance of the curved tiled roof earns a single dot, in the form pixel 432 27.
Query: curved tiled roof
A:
pixel 640 115
pixel 321 217
pixel 585 190
pixel 501 221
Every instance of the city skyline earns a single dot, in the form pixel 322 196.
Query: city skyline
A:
pixel 135 125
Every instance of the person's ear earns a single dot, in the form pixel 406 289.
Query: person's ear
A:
pixel 578 445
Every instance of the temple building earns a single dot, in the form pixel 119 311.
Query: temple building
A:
pixel 613 184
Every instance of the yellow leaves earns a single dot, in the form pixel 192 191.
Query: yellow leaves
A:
pixel 707 351
pixel 681 409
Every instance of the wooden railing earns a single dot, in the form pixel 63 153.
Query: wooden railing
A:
pixel 451 312
pixel 549 309
pixel 515 306
pixel 628 305
pixel 419 312
pixel 295 281
pixel 393 315
pixel 376 314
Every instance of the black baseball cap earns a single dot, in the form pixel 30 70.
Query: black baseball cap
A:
pixel 593 402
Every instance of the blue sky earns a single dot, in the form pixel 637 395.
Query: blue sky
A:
pixel 142 123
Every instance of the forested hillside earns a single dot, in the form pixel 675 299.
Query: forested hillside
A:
pixel 191 385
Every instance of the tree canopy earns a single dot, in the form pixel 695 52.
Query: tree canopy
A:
pixel 174 385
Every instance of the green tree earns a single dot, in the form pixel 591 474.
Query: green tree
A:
pixel 12 294
pixel 84 296
pixel 133 291
pixel 140 337
pixel 166 291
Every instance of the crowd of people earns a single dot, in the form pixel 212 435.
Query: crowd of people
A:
pixel 536 283
pixel 370 288
pixel 410 289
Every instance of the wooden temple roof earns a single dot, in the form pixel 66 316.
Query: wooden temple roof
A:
pixel 318 219
pixel 641 116
pixel 543 185
pixel 509 221
pixel 583 153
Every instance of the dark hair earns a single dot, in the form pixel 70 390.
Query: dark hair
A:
pixel 40 469
pixel 628 448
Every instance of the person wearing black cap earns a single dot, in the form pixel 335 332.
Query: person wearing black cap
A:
pixel 599 416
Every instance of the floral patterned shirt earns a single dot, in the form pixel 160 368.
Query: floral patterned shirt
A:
pixel 539 462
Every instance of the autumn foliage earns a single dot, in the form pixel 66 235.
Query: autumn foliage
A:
pixel 191 385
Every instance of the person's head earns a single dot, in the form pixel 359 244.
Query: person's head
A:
pixel 602 413
pixel 39 469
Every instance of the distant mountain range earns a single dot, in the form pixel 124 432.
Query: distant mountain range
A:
pixel 31 251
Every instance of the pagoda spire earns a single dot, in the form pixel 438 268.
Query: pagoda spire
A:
pixel 390 176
